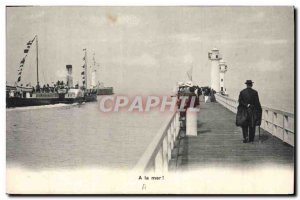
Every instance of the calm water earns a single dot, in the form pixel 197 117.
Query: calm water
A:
pixel 66 136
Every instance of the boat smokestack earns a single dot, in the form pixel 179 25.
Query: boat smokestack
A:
pixel 69 76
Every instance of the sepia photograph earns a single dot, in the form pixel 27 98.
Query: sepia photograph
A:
pixel 150 100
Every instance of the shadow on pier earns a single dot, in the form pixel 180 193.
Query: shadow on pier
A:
pixel 219 144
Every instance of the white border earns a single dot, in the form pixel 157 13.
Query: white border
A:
pixel 3 4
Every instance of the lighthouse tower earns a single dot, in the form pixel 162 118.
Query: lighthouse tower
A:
pixel 223 69
pixel 215 56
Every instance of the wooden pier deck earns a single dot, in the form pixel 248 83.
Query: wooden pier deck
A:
pixel 219 144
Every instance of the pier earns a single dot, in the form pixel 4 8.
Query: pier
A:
pixel 219 141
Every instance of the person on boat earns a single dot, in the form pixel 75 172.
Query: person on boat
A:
pixel 44 88
pixel 38 87
pixel 249 112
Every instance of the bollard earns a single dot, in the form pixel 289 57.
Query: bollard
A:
pixel 206 99
pixel 191 121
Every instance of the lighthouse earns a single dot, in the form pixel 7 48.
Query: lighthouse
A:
pixel 215 57
pixel 223 69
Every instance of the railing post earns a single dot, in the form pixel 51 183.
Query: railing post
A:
pixel 171 136
pixel 273 126
pixel 165 154
pixel 169 144
pixel 174 130
pixel 159 161
pixel 263 118
pixel 288 131
pixel 177 123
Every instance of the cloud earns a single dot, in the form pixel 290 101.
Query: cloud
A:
pixel 271 42
pixel 123 20
pixel 186 37
pixel 265 41
pixel 267 66
pixel 252 17
pixel 183 60
pixel 144 60
pixel 61 73
pixel 188 59
pixel 35 15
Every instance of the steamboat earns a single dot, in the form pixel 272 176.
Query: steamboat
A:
pixel 19 95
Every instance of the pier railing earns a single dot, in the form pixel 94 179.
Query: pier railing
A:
pixel 158 154
pixel 278 123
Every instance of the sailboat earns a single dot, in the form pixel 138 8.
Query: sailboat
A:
pixel 99 86
pixel 19 95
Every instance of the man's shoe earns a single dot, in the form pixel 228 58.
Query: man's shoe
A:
pixel 245 141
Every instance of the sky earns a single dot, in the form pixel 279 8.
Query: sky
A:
pixel 146 50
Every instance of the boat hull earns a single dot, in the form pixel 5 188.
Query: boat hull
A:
pixel 90 98
pixel 105 91
pixel 22 102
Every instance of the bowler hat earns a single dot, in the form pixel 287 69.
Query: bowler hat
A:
pixel 248 82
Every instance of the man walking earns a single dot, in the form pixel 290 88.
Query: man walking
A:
pixel 249 105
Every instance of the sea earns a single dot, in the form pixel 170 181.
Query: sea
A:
pixel 78 136
pixel 81 135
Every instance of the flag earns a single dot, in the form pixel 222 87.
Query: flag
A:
pixel 28 47
pixel 26 50
pixel 21 66
pixel 189 73
pixel 20 73
pixel 23 60
pixel 82 73
pixel 29 43
pixel 19 79
pixel 83 58
pixel 83 66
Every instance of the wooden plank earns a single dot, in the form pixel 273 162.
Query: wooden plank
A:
pixel 219 142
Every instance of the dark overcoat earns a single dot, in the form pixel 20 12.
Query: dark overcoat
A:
pixel 254 111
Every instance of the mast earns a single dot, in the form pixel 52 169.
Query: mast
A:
pixel 37 59
pixel 85 69
pixel 93 74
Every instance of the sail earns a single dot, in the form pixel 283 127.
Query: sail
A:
pixel 189 74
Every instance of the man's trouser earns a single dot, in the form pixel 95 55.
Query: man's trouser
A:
pixel 249 132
